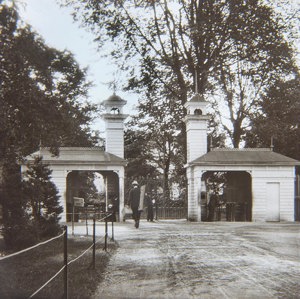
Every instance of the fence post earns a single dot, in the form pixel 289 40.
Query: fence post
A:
pixel 105 243
pixel 94 241
pixel 66 262
pixel 112 231
pixel 86 221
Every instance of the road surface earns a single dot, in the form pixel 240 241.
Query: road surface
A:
pixel 178 259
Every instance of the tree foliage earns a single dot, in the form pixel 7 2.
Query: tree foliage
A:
pixel 42 199
pixel 165 43
pixel 229 50
pixel 41 91
pixel 138 157
pixel 43 100
pixel 278 118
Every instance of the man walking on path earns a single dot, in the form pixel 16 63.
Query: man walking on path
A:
pixel 134 202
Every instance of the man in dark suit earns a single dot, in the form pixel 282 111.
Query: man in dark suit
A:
pixel 134 202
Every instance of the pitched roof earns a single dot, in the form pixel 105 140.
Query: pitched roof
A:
pixel 82 155
pixel 247 156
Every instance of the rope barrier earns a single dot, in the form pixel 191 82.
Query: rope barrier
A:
pixel 46 283
pixel 106 216
pixel 32 247
pixel 82 254
pixel 69 263
pixel 66 264
pixel 78 257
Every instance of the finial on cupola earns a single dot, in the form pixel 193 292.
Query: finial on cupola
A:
pixel 272 144
pixel 196 81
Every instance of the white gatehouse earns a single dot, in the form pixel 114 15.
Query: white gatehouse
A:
pixel 263 180
pixel 109 163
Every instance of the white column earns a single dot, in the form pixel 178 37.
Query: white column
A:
pixel 59 178
pixel 121 195
pixel 192 202
pixel 198 194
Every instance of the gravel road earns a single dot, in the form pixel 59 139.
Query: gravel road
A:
pixel 179 259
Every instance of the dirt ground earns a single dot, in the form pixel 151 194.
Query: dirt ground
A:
pixel 178 259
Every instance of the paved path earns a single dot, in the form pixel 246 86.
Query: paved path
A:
pixel 177 259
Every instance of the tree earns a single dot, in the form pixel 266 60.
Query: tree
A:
pixel 137 155
pixel 278 118
pixel 42 200
pixel 42 91
pixel 43 100
pixel 178 47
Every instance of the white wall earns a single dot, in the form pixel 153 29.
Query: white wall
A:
pixel 59 178
pixel 261 176
pixel 196 130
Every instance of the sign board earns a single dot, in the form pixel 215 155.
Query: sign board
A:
pixel 78 201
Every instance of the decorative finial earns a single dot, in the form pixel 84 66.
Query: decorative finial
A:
pixel 114 83
pixel 196 81
pixel 272 145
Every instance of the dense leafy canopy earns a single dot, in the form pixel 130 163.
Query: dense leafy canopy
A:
pixel 43 100
pixel 279 119
pixel 42 199
pixel 231 51
pixel 41 92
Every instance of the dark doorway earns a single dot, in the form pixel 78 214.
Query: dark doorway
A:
pixel 81 184
pixel 227 196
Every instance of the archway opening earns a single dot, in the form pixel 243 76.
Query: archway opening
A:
pixel 99 190
pixel 226 196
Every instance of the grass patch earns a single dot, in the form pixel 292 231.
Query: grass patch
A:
pixel 22 275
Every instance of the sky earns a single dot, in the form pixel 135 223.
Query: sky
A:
pixel 57 28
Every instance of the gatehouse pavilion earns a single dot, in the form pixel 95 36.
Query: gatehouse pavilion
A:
pixel 260 180
pixel 109 163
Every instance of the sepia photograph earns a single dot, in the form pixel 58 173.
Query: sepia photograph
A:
pixel 149 149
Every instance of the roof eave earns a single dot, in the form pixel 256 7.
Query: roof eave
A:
pixel 243 164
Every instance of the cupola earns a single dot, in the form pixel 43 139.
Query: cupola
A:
pixel 196 127
pixel 114 125
pixel 114 104
pixel 196 105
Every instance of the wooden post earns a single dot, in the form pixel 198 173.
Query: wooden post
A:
pixel 66 262
pixel 106 234
pixel 94 242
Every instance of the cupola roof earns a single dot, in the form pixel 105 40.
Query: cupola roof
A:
pixel 197 98
pixel 115 99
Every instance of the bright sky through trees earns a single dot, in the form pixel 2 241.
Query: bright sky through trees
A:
pixel 56 26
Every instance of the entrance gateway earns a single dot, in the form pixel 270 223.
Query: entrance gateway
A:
pixel 109 163
pixel 272 192
pixel 271 175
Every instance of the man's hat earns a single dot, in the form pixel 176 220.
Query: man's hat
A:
pixel 134 183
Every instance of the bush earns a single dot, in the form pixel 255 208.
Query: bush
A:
pixel 49 228
pixel 19 236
